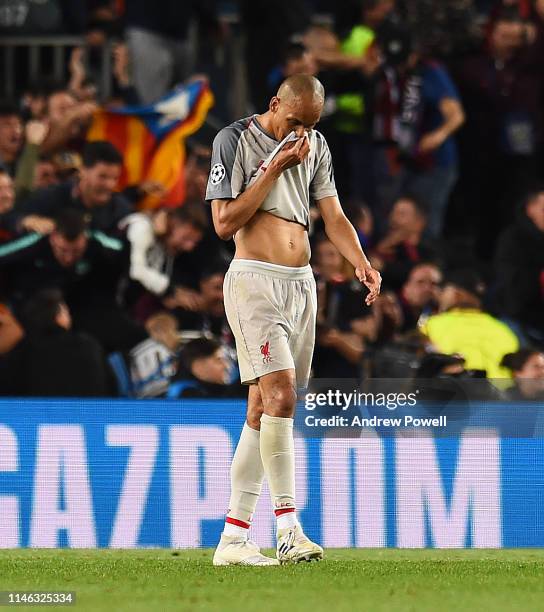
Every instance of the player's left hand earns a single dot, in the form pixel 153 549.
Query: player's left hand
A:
pixel 372 279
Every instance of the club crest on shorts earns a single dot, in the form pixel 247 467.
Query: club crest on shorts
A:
pixel 265 352
pixel 217 174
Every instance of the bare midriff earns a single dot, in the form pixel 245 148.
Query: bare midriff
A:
pixel 271 239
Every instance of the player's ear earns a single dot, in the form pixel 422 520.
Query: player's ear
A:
pixel 274 104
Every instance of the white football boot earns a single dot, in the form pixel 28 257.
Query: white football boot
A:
pixel 294 546
pixel 233 550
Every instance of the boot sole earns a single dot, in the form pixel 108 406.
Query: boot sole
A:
pixel 308 557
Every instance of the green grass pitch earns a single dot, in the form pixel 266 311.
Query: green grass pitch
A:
pixel 350 580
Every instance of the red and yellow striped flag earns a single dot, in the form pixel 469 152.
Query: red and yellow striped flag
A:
pixel 152 139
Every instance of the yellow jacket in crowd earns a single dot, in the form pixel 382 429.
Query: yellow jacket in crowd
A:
pixel 480 338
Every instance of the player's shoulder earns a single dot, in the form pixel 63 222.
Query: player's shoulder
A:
pixel 230 134
pixel 320 140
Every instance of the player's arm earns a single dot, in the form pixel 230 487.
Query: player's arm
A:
pixel 229 215
pixel 344 237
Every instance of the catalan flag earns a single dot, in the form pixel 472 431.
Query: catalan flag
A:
pixel 151 138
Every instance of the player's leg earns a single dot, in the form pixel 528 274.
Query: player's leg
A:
pixel 262 305
pixel 247 475
pixel 278 391
pixel 246 472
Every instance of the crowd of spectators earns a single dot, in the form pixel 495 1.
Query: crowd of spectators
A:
pixel 434 113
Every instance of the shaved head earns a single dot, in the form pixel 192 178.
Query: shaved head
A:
pixel 296 107
pixel 301 86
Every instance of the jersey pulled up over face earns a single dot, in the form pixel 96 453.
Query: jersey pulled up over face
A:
pixel 239 151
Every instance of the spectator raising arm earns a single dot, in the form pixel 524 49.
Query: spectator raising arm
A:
pixel 35 132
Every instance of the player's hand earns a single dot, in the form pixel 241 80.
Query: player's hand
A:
pixel 372 279
pixel 292 154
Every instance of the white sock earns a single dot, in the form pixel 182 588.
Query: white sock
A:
pixel 286 520
pixel 235 531
pixel 246 475
pixel 278 456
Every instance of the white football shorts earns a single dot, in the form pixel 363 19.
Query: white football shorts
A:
pixel 271 310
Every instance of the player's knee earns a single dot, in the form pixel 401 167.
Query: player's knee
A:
pixel 282 401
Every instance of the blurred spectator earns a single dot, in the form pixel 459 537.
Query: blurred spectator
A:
pixel 11 136
pixel 155 240
pixel 350 119
pixel 340 302
pixel 10 222
pixel 420 293
pixel 196 171
pixel 527 367
pixel 67 120
pixel 503 91
pixel 124 87
pixel 416 112
pixel 209 316
pixel 463 328
pixel 295 59
pixel 63 260
pixel 51 360
pixel 519 267
pixel 205 371
pixel 159 41
pixel 362 220
pixel 32 168
pixel 150 365
pixel 45 173
pixel 162 327
pixel 80 85
pixel 404 243
pixel 93 192
pixel 85 266
pixel 83 88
